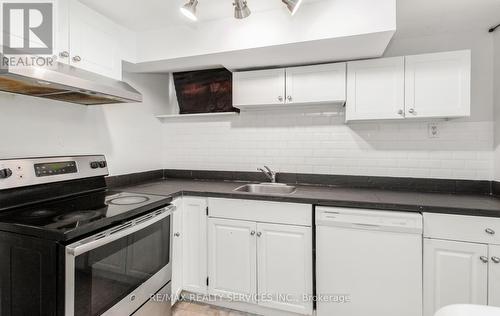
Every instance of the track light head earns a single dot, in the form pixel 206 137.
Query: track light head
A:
pixel 292 5
pixel 241 9
pixel 189 10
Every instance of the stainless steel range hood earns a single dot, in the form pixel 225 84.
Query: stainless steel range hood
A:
pixel 66 83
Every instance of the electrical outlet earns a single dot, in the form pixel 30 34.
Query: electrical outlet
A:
pixel 433 130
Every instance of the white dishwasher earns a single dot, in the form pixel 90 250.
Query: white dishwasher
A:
pixel 368 263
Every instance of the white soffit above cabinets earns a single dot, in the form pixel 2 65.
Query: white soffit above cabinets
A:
pixel 321 31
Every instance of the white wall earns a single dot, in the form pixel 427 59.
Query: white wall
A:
pixel 298 142
pixel 497 104
pixel 127 134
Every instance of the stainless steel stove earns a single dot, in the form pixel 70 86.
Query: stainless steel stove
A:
pixel 77 248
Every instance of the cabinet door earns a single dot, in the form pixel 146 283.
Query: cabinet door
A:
pixel 194 244
pixel 494 276
pixel 375 89
pixel 61 31
pixel 438 85
pixel 284 260
pixel 257 88
pixel 93 42
pixel 177 250
pixel 319 84
pixel 28 276
pixel 231 257
pixel 454 274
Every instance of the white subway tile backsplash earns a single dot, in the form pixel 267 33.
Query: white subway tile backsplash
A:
pixel 296 142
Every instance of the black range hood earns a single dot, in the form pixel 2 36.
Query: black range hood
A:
pixel 204 91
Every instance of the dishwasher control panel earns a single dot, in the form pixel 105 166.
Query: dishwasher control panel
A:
pixel 369 219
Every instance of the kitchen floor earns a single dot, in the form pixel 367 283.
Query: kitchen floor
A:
pixel 199 309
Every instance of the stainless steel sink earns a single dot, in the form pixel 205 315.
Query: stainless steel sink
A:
pixel 267 188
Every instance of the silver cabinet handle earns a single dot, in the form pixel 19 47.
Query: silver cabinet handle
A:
pixel 252 232
pixel 280 98
pixel 412 111
pixel 77 58
pixel 177 234
pixel 289 98
pixel 259 234
pixel 484 259
pixel 401 112
pixel 495 259
pixel 64 54
pixel 489 231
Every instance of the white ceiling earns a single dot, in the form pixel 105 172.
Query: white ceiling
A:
pixel 415 17
pixel 154 14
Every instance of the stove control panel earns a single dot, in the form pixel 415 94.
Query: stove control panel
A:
pixel 55 168
pixel 16 173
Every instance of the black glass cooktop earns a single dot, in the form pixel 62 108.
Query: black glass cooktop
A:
pixel 68 218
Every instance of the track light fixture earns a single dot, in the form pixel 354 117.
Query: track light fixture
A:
pixel 292 5
pixel 241 9
pixel 189 10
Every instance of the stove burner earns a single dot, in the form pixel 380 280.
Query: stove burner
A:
pixel 128 200
pixel 77 216
pixel 37 213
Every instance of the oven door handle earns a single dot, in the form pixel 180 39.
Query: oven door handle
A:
pixel 118 232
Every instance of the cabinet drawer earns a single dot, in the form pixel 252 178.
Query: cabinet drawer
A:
pixel 462 228
pixel 261 211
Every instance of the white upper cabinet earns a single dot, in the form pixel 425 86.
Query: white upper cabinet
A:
pixel 93 42
pixel 61 30
pixel 258 88
pixel 421 86
pixel 319 84
pixel 88 40
pixel 438 85
pixel 454 273
pixel 375 89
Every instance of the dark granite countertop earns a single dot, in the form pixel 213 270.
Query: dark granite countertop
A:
pixel 479 205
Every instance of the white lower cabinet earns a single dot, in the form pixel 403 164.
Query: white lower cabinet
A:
pixel 232 257
pixel 494 276
pixel 284 260
pixel 461 261
pixel 454 274
pixel 194 244
pixel 259 258
pixel 177 250
pixel 277 257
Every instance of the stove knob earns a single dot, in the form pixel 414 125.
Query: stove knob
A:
pixel 5 173
pixel 102 164
pixel 94 165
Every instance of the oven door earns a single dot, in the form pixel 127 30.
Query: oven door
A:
pixel 118 270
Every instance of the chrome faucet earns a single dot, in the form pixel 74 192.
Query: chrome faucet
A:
pixel 271 175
